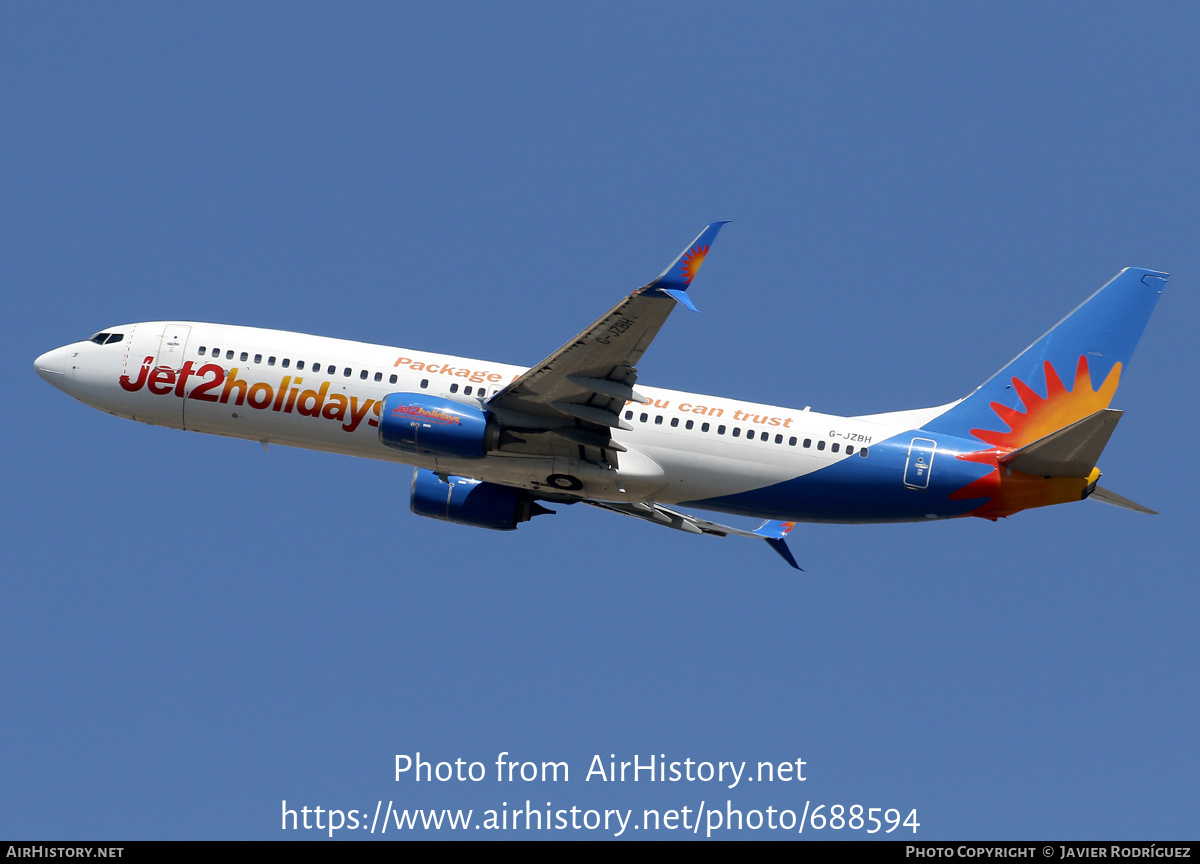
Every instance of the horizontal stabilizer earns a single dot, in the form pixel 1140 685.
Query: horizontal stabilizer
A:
pixel 1102 494
pixel 1072 451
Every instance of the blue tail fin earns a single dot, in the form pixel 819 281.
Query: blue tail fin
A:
pixel 1068 374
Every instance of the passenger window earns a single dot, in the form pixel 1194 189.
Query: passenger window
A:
pixel 286 363
pixel 820 445
pixel 424 383
pixel 807 442
pixel 257 358
pixel 378 376
pixel 467 390
pixel 363 374
pixel 737 430
pixel 300 365
pixel 628 415
pixel 229 355
pixel 657 419
pixel 792 442
pixel 246 355
pixel 453 388
pixel 674 422
pixel 862 452
pixel 720 430
pixel 643 418
pixel 201 350
pixel 835 447
pixel 778 439
pixel 270 361
pixel 392 380
pixel 347 372
pixel 849 449
pixel 703 427
pixel 689 424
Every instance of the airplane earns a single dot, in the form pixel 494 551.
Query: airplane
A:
pixel 491 443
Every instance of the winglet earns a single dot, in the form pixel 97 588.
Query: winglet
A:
pixel 774 533
pixel 674 281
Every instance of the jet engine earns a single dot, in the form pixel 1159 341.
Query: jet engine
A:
pixel 471 502
pixel 424 425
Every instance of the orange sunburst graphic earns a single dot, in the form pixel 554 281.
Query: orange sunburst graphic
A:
pixel 1011 491
pixel 1060 407
pixel 689 265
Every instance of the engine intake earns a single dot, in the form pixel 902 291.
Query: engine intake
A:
pixel 471 502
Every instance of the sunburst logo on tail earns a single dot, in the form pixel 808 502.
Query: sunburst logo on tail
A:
pixel 1009 492
pixel 1060 407
pixel 689 265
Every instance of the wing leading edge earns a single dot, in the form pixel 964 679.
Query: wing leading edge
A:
pixel 575 396
pixel 773 532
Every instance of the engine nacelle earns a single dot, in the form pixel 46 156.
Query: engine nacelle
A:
pixel 426 425
pixel 471 502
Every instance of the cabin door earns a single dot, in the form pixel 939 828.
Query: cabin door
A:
pixel 920 463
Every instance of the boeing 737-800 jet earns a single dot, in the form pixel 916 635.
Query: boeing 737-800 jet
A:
pixel 489 441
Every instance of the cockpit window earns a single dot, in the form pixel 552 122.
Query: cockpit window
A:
pixel 107 338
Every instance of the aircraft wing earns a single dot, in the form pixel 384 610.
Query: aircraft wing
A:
pixel 575 396
pixel 773 532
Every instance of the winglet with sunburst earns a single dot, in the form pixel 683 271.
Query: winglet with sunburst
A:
pixel 674 281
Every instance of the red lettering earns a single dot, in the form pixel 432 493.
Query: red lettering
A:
pixel 181 384
pixel 282 393
pixel 233 383
pixel 161 375
pixel 201 392
pixel 357 412
pixel 135 386
pixel 261 389
pixel 336 408
pixel 311 401
pixel 292 395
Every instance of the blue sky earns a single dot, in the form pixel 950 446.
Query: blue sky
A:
pixel 196 630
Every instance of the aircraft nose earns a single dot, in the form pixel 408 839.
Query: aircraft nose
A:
pixel 51 365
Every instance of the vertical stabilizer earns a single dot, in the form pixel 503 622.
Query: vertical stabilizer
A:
pixel 1069 374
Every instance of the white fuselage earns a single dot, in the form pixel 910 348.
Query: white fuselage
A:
pixel 325 394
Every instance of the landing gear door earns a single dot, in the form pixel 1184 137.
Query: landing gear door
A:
pixel 920 463
pixel 172 346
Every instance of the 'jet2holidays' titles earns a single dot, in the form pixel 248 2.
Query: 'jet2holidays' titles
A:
pixel 163 381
